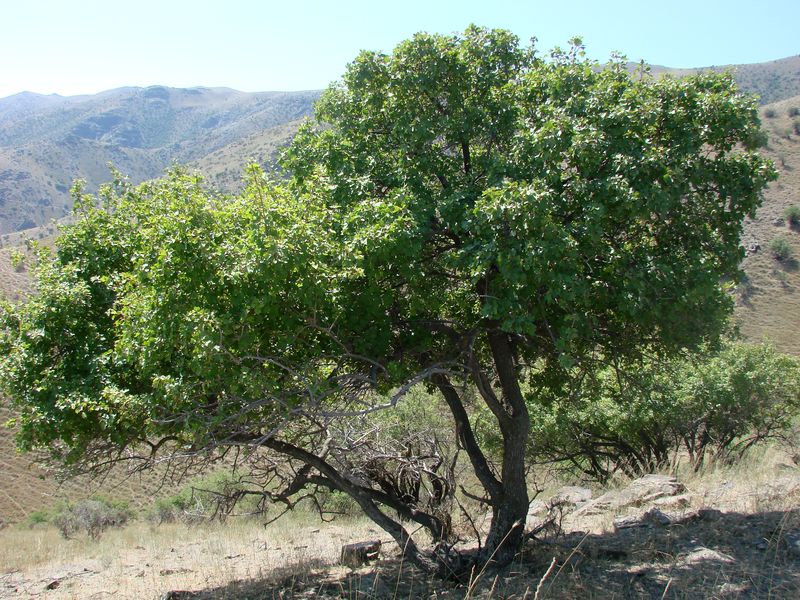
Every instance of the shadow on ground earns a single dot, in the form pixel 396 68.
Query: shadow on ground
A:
pixel 717 555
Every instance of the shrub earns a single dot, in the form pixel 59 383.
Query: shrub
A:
pixel 781 249
pixel 792 214
pixel 17 260
pixel 208 497
pixel 796 127
pixel 716 405
pixel 38 517
pixel 770 113
pixel 92 516
pixel 794 111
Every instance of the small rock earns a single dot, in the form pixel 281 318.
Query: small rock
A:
pixel 572 494
pixel 165 572
pixel 778 222
pixel 53 585
pixel 682 501
pixel 355 555
pixel 701 554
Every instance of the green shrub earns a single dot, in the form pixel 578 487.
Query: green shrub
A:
pixel 91 516
pixel 793 111
pixel 38 517
pixel 17 260
pixel 717 405
pixel 781 249
pixel 212 496
pixel 770 113
pixel 792 214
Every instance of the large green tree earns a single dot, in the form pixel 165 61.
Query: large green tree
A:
pixel 464 214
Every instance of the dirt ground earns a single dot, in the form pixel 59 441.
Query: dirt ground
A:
pixel 725 534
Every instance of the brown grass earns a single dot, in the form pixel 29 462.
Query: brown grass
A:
pixel 769 301
pixel 740 551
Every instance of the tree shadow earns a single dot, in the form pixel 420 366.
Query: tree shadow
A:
pixel 716 555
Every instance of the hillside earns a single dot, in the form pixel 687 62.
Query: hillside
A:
pixel 46 142
pixel 768 305
pixel 772 81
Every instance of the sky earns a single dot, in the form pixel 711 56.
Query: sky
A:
pixel 87 46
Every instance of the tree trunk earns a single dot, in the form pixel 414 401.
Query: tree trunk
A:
pixel 511 508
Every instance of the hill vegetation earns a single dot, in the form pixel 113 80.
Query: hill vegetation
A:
pixel 46 142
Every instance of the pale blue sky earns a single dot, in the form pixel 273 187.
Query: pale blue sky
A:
pixel 86 46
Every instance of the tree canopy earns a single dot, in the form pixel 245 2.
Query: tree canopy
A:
pixel 463 213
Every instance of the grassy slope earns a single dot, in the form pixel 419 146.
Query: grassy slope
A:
pixel 769 301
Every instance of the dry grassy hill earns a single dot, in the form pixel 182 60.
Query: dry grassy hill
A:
pixel 46 142
pixel 769 299
pixel 773 81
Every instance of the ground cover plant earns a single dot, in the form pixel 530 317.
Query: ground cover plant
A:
pixel 465 215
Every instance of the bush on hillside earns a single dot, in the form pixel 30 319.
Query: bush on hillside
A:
pixel 781 249
pixel 716 406
pixel 92 516
pixel 792 214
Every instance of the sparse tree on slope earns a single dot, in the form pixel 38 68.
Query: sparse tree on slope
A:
pixel 469 215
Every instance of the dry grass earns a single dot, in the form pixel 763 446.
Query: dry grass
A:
pixel 739 551
pixel 769 301
pixel 141 561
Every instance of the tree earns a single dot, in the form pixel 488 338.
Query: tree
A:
pixel 466 215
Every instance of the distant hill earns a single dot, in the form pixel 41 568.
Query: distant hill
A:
pixel 46 142
pixel 772 81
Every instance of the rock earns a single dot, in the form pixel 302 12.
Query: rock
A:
pixel 654 516
pixel 571 494
pixel 778 222
pixel 628 522
pixel 165 572
pixel 355 555
pixel 178 595
pixel 53 585
pixel 700 555
pixel 640 491
pixel 681 501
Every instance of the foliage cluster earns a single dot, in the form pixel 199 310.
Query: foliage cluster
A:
pixel 91 516
pixel 792 214
pixel 636 420
pixel 781 249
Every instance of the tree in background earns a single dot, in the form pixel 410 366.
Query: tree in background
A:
pixel 466 215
